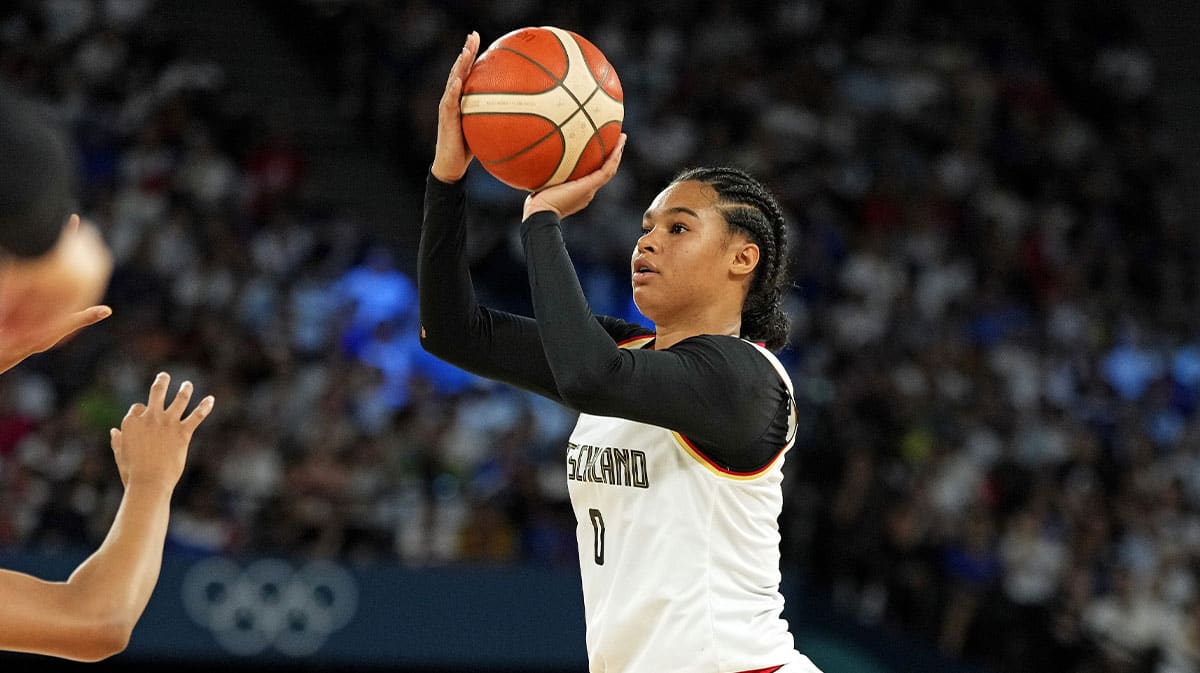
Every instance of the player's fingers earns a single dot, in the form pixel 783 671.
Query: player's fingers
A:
pixel 91 316
pixel 472 48
pixel 462 63
pixel 181 400
pixel 200 413
pixel 80 319
pixel 454 67
pixel 614 159
pixel 450 100
pixel 158 391
pixel 114 440
pixel 136 409
pixel 63 327
pixel 613 162
pixel 72 224
pixel 601 176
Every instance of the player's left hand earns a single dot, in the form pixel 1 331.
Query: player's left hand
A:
pixel 573 196
pixel 151 446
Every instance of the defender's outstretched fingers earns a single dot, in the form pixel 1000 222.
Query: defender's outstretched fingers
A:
pixel 135 409
pixel 158 391
pixel 200 413
pixel 114 440
pixel 181 400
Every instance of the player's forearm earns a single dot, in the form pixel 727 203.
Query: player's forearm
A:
pixel 114 584
pixel 492 344
pixel 91 615
pixel 445 295
pixel 580 352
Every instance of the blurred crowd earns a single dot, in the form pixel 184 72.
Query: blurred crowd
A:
pixel 995 343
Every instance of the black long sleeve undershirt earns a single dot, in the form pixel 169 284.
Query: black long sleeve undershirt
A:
pixel 718 391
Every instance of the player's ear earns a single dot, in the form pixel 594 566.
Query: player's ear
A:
pixel 744 258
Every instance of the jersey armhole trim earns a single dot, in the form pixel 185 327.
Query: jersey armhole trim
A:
pixel 691 449
pixel 634 343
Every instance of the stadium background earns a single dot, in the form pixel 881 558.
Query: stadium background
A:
pixel 995 342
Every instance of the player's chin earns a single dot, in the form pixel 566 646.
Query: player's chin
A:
pixel 646 300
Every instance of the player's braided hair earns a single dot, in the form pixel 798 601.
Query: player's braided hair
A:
pixel 749 207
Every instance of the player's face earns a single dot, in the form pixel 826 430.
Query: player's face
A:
pixel 683 254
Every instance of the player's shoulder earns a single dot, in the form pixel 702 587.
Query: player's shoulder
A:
pixel 740 358
pixel 722 343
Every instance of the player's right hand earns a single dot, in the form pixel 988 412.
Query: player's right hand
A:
pixel 572 196
pixel 452 156
pixel 151 446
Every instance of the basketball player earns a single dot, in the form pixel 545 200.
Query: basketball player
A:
pixel 47 273
pixel 674 467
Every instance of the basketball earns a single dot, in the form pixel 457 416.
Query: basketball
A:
pixel 541 106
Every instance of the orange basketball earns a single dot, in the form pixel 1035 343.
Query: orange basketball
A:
pixel 542 106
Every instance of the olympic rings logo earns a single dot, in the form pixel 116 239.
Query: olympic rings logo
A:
pixel 270 604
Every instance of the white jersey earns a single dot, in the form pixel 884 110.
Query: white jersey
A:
pixel 679 557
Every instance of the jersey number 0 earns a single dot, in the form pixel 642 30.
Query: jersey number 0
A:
pixel 598 528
